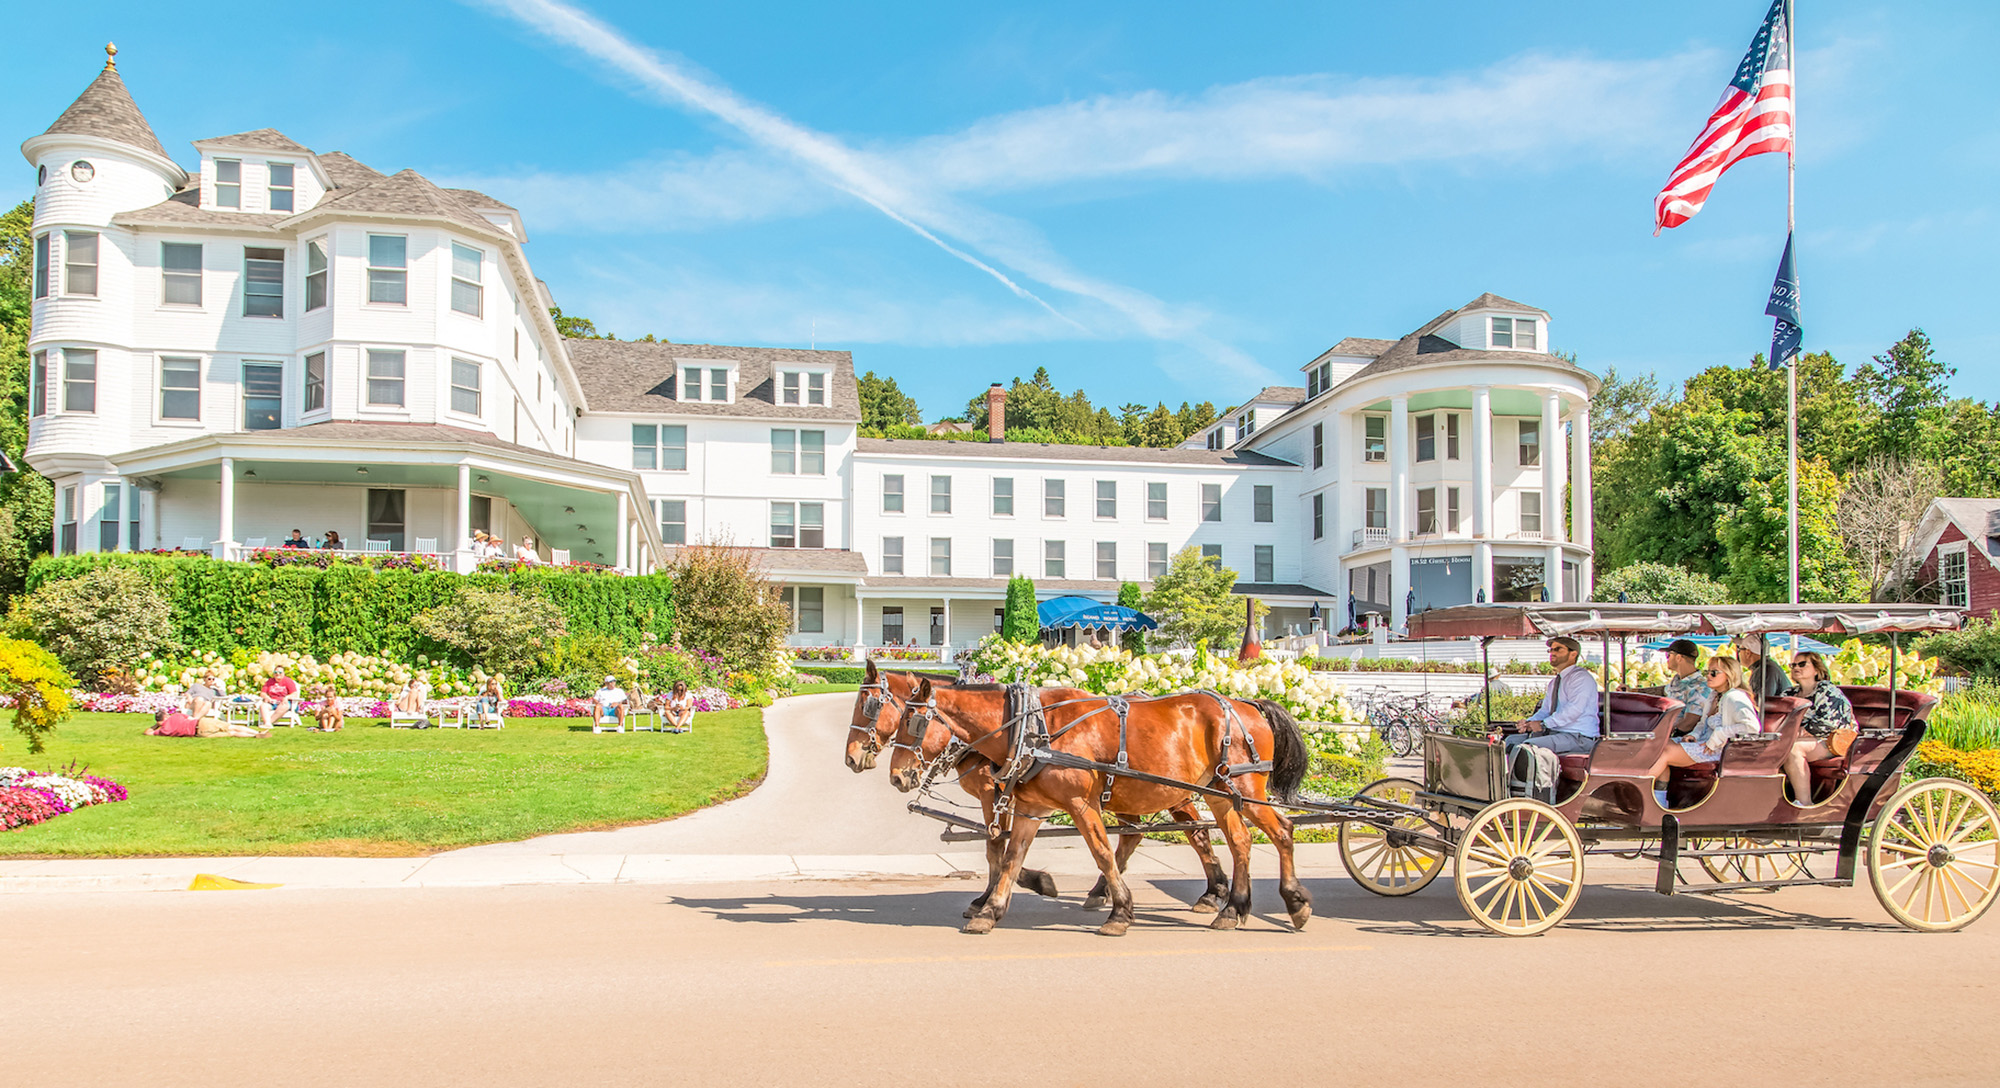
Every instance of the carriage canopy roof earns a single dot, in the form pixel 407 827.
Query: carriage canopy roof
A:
pixel 1084 612
pixel 1548 620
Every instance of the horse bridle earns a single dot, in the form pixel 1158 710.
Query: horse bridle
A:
pixel 871 712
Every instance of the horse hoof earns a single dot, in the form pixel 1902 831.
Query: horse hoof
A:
pixel 1226 920
pixel 979 924
pixel 1207 904
pixel 1095 902
pixel 1044 885
pixel 1114 928
pixel 1301 916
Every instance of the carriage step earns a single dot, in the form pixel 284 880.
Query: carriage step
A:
pixel 1745 851
pixel 1754 885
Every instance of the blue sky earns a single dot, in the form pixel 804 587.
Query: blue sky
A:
pixel 1156 201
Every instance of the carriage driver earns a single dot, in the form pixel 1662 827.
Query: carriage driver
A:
pixel 1566 721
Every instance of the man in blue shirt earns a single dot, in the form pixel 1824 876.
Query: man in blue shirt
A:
pixel 1566 721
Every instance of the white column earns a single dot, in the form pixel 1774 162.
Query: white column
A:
pixel 1482 571
pixel 859 642
pixel 225 526
pixel 1399 586
pixel 1482 471
pixel 1580 492
pixel 946 648
pixel 464 508
pixel 1337 497
pixel 1399 471
pixel 1553 451
pixel 1553 576
pixel 624 515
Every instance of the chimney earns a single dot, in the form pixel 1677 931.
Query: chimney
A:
pixel 996 413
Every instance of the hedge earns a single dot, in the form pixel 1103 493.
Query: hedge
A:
pixel 224 606
pixel 849 674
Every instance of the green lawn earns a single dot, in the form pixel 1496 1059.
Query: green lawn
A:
pixel 371 790
pixel 821 689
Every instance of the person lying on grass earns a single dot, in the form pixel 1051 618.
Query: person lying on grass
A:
pixel 329 714
pixel 172 723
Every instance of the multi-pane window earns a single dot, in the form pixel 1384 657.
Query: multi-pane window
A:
pixel 1318 380
pixel 673 520
pixel 386 520
pixel 1156 501
pixel 1054 499
pixel 1451 436
pixel 812 525
pixel 180 387
pixel 1319 515
pixel 1003 559
pixel 1514 332
pixel 263 396
pixel 690 383
pixel 1215 439
pixel 1003 496
pixel 815 388
pixel 892 555
pixel 316 274
pixel 1246 424
pixel 1107 498
pixel 940 494
pixel 38 385
pixel 1260 502
pixel 1263 568
pixel 315 382
pixel 79 262
pixel 1212 551
pixel 1954 576
pixel 67 545
pixel 467 294
pixel 79 380
pixel 228 183
pixel 940 557
pixel 1531 513
pixel 892 625
pixel 1427 438
pixel 1319 445
pixel 892 494
pixel 180 273
pixel 1211 502
pixel 107 519
pixel 784 450
pixel 718 384
pixel 1531 442
pixel 132 517
pixel 1107 560
pixel 465 388
pixel 41 266
pixel 798 525
pixel 281 186
pixel 1427 510
pixel 1156 560
pixel 1374 438
pixel 1053 559
pixel 1376 507
pixel 263 282
pixel 385 378
pixel 812 453
pixel 1451 509
pixel 807 604
pixel 801 387
pixel 388 268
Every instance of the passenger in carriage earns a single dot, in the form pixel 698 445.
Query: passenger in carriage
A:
pixel 1762 677
pixel 1829 719
pixel 1729 713
pixel 1687 685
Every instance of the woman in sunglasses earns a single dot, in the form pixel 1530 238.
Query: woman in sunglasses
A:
pixel 1730 713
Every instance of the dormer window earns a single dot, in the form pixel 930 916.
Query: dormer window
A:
pixel 717 386
pixel 1245 424
pixel 228 183
pixel 801 387
pixel 1514 332
pixel 1318 380
pixel 281 186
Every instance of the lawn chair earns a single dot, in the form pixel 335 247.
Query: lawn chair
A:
pixel 599 725
pixel 374 545
pixel 478 717
pixel 399 719
pixel 255 542
pixel 427 545
pixel 559 556
pixel 193 544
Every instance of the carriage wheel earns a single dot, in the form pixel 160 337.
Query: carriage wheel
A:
pixel 1756 868
pixel 1934 855
pixel 1383 858
pixel 1520 867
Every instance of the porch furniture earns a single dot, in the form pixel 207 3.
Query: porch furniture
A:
pixel 193 544
pixel 375 546
pixel 256 542
pixel 559 556
pixel 427 545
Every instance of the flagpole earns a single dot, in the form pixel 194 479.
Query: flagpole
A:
pixel 1792 368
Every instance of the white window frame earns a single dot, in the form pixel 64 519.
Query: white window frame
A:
pixel 369 378
pixel 476 389
pixel 937 493
pixel 802 387
pixel 272 188
pixel 1531 499
pixel 892 558
pixel 266 367
pixel 1003 566
pixel 1962 598
pixel 1319 515
pixel 1101 498
pixel 280 261
pixel 1263 503
pixel 898 493
pixel 1159 486
pixel 388 275
pixel 233 198
pixel 1264 563
pixel 172 277
pixel 1512 330
pixel 71 265
pixel 1417 436
pixel 1374 447
pixel 162 415
pixel 1055 497
pixel 1451 447
pixel 997 497
pixel 1211 506
pixel 1159 559
pixel 468 271
pixel 1524 427
pixel 77 384
pixel 1106 567
pixel 784 451
pixel 940 557
pixel 1055 559
pixel 314 383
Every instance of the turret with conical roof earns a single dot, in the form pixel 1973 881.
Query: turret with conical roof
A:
pixel 103 119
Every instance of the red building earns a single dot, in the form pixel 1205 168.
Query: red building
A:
pixel 1955 553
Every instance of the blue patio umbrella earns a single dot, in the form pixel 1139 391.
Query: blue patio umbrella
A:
pixel 1778 640
pixel 1084 612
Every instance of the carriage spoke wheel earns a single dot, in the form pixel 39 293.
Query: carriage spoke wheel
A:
pixel 1385 858
pixel 1520 867
pixel 1756 868
pixel 1934 856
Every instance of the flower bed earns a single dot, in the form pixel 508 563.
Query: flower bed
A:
pixel 351 674
pixel 1111 670
pixel 821 653
pixel 31 797
pixel 313 557
pixel 1981 768
pixel 903 653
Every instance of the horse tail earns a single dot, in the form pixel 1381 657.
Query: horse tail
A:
pixel 1290 758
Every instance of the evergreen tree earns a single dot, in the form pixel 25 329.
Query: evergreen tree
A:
pixel 1192 602
pixel 1907 388
pixel 1131 596
pixel 27 500
pixel 1020 622
pixel 884 405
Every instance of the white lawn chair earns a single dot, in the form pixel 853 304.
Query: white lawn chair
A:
pixel 374 545
pixel 559 556
pixel 599 725
pixel 255 542
pixel 427 545
pixel 403 720
pixel 477 717
pixel 193 544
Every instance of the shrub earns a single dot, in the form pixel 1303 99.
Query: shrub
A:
pixel 1193 602
pixel 104 620
pixel 500 631
pixel 39 687
pixel 1131 596
pixel 1019 622
pixel 723 604
pixel 583 661
pixel 1968 719
pixel 660 666
pixel 1974 648
pixel 1659 583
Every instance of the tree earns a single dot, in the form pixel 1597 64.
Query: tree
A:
pixel 1879 508
pixel 575 328
pixel 723 604
pixel 1131 596
pixel 26 498
pixel 1657 583
pixel 883 405
pixel 1193 602
pixel 1907 388
pixel 1756 541
pixel 1622 404
pixel 1020 622
pixel 501 632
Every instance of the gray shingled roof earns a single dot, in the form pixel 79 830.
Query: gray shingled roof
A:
pixel 403 193
pixel 346 172
pixel 1489 300
pixel 105 109
pixel 1423 347
pixel 183 209
pixel 635 376
pixel 1051 451
pixel 1278 394
pixel 1363 346
pixel 258 139
pixel 476 199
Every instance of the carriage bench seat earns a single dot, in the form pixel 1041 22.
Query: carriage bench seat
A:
pixel 1688 785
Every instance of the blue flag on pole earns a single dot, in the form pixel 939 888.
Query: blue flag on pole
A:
pixel 1784 305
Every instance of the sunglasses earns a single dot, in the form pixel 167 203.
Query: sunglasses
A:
pixel 1715 672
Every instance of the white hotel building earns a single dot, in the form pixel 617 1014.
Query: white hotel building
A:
pixel 284 339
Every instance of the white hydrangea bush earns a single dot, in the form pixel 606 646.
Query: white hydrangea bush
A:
pixel 351 674
pixel 1111 670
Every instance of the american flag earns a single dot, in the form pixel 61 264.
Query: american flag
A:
pixel 1754 116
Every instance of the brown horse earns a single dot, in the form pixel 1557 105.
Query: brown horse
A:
pixel 877 709
pixel 1199 739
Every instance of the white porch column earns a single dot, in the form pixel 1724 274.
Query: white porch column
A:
pixel 859 641
pixel 1399 586
pixel 1553 575
pixel 946 647
pixel 624 530
pixel 1581 495
pixel 1482 571
pixel 1482 472
pixel 225 526
pixel 1399 473
pixel 464 507
pixel 1553 451
pixel 1337 496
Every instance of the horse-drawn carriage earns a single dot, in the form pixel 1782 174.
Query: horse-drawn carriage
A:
pixel 1929 847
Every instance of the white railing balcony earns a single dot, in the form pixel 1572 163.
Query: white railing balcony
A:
pixel 1370 538
pixel 1527 534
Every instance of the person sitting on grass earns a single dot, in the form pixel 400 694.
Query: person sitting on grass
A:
pixel 169 723
pixel 203 694
pixel 411 700
pixel 679 707
pixel 611 701
pixel 329 713
pixel 281 697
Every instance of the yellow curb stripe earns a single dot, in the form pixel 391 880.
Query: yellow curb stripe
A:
pixel 209 882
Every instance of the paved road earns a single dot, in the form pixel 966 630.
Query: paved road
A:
pixel 868 983
pixel 809 803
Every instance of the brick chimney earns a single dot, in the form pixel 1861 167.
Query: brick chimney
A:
pixel 996 413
